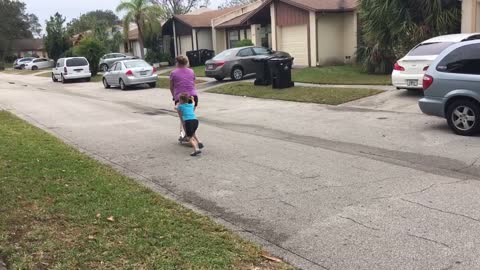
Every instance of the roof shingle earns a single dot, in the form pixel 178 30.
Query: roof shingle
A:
pixel 203 19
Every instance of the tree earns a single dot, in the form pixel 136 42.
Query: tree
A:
pixel 142 13
pixel 16 24
pixel 34 26
pixel 173 7
pixel 90 20
pixel 56 41
pixel 233 3
pixel 93 50
pixel 409 23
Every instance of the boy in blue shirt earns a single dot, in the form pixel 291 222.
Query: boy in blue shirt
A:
pixel 190 122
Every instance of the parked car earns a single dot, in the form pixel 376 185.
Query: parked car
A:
pixel 451 87
pixel 237 62
pixel 408 71
pixel 20 62
pixel 39 63
pixel 71 68
pixel 130 72
pixel 109 59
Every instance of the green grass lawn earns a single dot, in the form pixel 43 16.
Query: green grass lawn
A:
pixel 347 74
pixel 199 71
pixel 45 74
pixel 321 95
pixel 165 83
pixel 60 209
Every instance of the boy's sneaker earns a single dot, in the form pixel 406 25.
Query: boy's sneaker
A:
pixel 200 145
pixel 196 153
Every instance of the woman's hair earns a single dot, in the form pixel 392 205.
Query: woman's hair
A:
pixel 184 98
pixel 182 60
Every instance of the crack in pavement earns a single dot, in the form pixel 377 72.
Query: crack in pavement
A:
pixel 440 210
pixel 428 240
pixel 360 223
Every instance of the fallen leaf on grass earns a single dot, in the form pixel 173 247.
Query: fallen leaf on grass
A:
pixel 270 258
pixel 111 219
pixel 98 215
pixel 91 237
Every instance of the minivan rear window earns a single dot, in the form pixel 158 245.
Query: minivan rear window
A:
pixel 430 48
pixel 77 62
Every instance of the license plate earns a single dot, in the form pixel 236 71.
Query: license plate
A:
pixel 412 83
pixel 78 70
pixel 143 73
pixel 210 67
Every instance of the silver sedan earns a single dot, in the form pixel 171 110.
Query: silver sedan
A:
pixel 129 73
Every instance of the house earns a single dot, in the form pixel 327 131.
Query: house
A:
pixel 470 16
pixel 29 47
pixel 314 32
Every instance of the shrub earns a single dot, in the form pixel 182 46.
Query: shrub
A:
pixel 2 66
pixel 93 50
pixel 157 57
pixel 245 42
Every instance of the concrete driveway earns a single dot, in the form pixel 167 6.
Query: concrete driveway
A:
pixel 373 184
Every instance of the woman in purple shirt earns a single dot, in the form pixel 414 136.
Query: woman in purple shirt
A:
pixel 182 81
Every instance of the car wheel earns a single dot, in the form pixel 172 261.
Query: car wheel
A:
pixel 237 73
pixel 105 83
pixel 219 78
pixel 22 66
pixel 152 85
pixel 88 79
pixel 63 79
pixel 34 68
pixel 54 79
pixel 104 67
pixel 123 86
pixel 463 117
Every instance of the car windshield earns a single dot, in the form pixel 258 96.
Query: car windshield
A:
pixel 136 64
pixel 430 48
pixel 77 62
pixel 224 55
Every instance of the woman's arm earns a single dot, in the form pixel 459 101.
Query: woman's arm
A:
pixel 172 88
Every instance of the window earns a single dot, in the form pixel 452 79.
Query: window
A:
pixel 135 64
pixel 118 66
pixel 118 55
pixel 463 60
pixel 77 62
pixel 224 55
pixel 40 60
pixel 245 52
pixel 261 51
pixel 430 48
pixel 60 62
pixel 233 38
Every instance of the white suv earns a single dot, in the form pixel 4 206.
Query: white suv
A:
pixel 71 68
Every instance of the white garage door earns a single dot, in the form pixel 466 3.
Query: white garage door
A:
pixel 294 40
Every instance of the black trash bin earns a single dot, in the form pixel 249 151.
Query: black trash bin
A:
pixel 193 58
pixel 262 72
pixel 206 55
pixel 281 72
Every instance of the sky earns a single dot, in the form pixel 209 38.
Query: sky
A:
pixel 74 8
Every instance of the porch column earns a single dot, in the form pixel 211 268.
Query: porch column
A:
pixel 194 39
pixel 255 32
pixel 175 39
pixel 273 16
pixel 214 39
pixel 474 7
pixel 313 39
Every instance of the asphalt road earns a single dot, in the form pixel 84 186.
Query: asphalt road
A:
pixel 373 184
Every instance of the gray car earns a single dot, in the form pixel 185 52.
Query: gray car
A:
pixel 452 88
pixel 107 61
pixel 129 73
pixel 237 63
pixel 20 63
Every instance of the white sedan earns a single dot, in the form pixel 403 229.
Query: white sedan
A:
pixel 408 72
pixel 39 63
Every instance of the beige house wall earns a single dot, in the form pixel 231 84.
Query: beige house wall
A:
pixel 185 44
pixel 221 41
pixel 337 38
pixel 470 16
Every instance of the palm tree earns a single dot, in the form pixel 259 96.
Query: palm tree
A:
pixel 391 28
pixel 142 13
